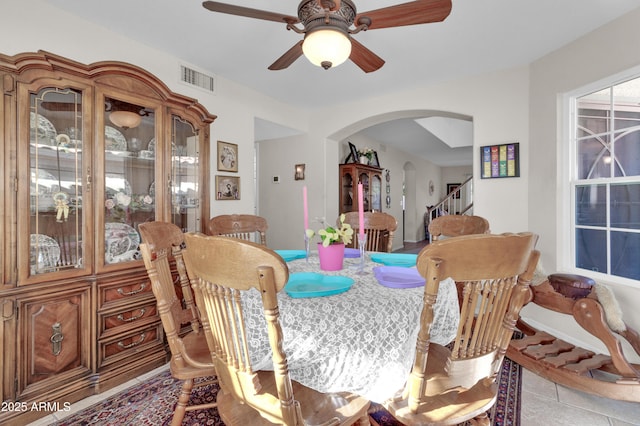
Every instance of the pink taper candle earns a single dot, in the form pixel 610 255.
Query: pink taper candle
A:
pixel 360 212
pixel 306 208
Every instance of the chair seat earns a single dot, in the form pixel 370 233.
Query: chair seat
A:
pixel 466 403
pixel 197 349
pixel 317 407
pixel 450 408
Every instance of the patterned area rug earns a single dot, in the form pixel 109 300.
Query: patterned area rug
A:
pixel 506 411
pixel 151 404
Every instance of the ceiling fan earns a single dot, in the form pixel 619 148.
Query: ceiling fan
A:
pixel 329 24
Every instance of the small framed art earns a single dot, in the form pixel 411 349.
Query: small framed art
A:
pixel 227 187
pixel 299 172
pixel 353 154
pixel 452 187
pixel 227 157
pixel 500 161
pixel 374 159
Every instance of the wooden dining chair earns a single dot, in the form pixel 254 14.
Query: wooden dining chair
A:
pixel 190 355
pixel 379 228
pixel 222 269
pixel 244 226
pixel 454 225
pixel 453 384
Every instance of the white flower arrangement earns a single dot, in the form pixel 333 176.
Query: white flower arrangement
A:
pixel 331 235
pixel 366 152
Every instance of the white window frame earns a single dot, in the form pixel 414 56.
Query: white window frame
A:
pixel 566 169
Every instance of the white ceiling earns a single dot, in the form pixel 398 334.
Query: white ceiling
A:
pixel 478 36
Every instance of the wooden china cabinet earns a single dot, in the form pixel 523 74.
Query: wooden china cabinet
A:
pixel 351 174
pixel 89 152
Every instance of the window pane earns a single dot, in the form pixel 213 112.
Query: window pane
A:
pixel 594 158
pixel 625 252
pixel 625 206
pixel 592 122
pixel 591 250
pixel 627 153
pixel 625 104
pixel 607 149
pixel 591 207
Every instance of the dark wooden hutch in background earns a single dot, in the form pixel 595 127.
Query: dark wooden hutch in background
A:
pixel 351 174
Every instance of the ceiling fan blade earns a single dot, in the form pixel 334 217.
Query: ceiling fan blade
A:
pixel 248 12
pixel 364 58
pixel 288 58
pixel 411 13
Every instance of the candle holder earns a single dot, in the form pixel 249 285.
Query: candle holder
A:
pixel 306 246
pixel 362 245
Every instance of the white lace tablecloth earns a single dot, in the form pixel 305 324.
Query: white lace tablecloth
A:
pixel 361 341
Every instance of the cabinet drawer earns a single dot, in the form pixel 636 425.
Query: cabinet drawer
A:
pixel 121 348
pixel 133 316
pixel 124 291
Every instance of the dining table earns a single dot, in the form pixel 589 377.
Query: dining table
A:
pixel 361 340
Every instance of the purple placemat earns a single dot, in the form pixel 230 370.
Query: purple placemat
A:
pixel 398 277
pixel 351 252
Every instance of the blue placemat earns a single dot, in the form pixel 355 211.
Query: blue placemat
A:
pixel 289 255
pixel 406 260
pixel 312 284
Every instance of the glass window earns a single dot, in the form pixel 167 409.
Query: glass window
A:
pixel 606 183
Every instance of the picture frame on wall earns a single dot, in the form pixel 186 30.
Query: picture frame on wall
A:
pixel 227 187
pixel 500 161
pixel 227 157
pixel 452 187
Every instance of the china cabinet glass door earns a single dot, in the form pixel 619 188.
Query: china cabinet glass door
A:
pixel 56 163
pixel 376 193
pixel 129 176
pixel 347 196
pixel 185 176
pixel 364 180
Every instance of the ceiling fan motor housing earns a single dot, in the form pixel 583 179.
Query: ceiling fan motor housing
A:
pixel 314 17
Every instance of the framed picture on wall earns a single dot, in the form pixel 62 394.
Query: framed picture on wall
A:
pixel 452 187
pixel 500 161
pixel 227 157
pixel 227 187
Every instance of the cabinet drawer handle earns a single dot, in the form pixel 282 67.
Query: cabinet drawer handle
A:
pixel 133 318
pixel 56 339
pixel 131 293
pixel 132 344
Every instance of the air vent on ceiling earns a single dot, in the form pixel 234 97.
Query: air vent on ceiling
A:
pixel 197 78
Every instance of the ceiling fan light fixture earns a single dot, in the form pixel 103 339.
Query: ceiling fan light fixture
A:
pixel 125 119
pixel 326 48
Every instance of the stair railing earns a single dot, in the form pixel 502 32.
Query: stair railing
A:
pixel 458 201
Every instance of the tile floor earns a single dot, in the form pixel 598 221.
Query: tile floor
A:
pixel 543 402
